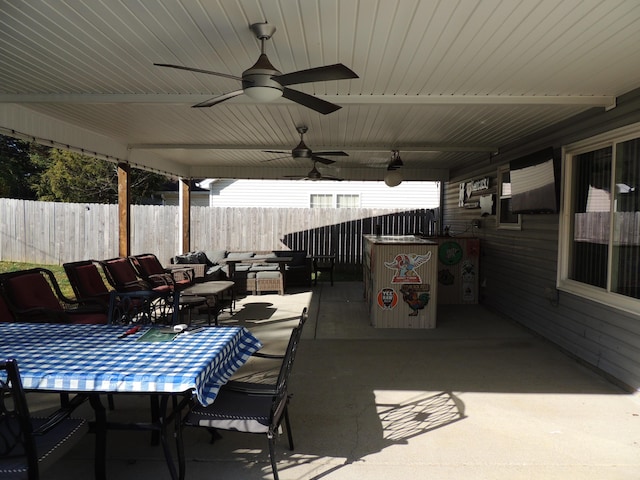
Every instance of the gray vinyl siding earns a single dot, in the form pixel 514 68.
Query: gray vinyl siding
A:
pixel 518 268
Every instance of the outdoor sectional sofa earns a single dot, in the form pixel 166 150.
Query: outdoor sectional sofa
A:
pixel 213 265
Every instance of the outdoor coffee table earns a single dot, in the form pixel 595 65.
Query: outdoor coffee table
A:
pixel 214 291
pixel 189 302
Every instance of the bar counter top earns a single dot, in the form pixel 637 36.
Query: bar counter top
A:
pixel 399 239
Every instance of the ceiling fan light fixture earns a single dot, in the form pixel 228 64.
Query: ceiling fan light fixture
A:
pixel 393 178
pixel 263 94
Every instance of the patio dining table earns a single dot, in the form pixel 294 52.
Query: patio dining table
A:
pixel 105 359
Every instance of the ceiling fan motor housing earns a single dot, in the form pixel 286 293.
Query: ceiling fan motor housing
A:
pixel 260 77
pixel 301 151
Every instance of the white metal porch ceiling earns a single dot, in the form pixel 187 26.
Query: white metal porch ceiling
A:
pixel 445 82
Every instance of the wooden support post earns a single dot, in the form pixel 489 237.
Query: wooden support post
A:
pixel 185 210
pixel 124 209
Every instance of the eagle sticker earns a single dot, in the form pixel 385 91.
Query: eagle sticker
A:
pixel 405 265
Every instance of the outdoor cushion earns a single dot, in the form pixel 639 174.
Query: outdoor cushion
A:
pixel 88 318
pixel 201 257
pixel 268 274
pixel 91 280
pixel 230 413
pixel 5 313
pixel 263 268
pixel 187 258
pixel 150 264
pixel 31 291
pixel 240 255
pixel 215 257
pixel 122 271
pixel 242 267
pixel 213 273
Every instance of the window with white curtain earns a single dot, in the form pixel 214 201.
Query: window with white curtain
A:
pixel 348 200
pixel 321 200
pixel 600 225
pixel 326 200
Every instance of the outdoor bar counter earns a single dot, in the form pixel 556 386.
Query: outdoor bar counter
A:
pixel 400 281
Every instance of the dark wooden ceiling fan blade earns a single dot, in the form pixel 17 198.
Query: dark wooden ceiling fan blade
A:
pixel 288 155
pixel 198 70
pixel 318 74
pixel 326 161
pixel 309 101
pixel 333 154
pixel 219 99
pixel 276 151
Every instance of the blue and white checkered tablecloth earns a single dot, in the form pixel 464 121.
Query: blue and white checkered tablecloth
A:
pixel 91 358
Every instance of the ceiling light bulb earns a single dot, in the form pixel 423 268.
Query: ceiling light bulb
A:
pixel 393 178
pixel 263 94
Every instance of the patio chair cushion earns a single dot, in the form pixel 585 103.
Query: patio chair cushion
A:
pixel 230 413
pixel 31 291
pixel 5 313
pixel 92 283
pixel 87 318
pixel 123 271
pixel 150 264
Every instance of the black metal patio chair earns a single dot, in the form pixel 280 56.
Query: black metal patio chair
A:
pixel 256 412
pixel 29 445
pixel 34 295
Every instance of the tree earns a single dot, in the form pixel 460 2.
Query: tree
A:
pixel 35 172
pixel 17 170
pixel 74 178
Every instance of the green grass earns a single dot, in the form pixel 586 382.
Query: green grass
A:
pixel 57 270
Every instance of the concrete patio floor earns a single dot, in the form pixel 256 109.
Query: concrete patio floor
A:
pixel 476 398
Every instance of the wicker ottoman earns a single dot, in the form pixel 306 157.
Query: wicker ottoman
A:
pixel 251 282
pixel 269 281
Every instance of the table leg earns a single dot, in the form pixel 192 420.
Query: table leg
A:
pixel 100 427
pixel 164 420
pixel 154 403
pixel 163 437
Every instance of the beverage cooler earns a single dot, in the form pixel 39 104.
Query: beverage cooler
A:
pixel 401 281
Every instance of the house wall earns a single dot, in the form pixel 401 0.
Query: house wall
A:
pixel 198 199
pixel 294 194
pixel 518 268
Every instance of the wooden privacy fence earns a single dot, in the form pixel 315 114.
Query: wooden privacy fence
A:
pixel 55 233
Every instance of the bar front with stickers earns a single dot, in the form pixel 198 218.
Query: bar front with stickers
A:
pixel 401 281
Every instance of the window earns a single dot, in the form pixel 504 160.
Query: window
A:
pixel 600 226
pixel 506 218
pixel 348 201
pixel 321 200
pixel 326 200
